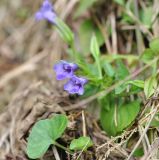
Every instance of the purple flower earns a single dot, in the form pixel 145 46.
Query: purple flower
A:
pixel 75 85
pixel 64 70
pixel 46 12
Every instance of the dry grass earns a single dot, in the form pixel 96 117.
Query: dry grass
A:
pixel 29 91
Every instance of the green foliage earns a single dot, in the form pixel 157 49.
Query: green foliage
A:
pixel 150 86
pixel 147 55
pixel 118 117
pixel 139 152
pixel 146 16
pixel 83 6
pixel 64 31
pixel 105 102
pixel 82 143
pixel 151 52
pixel 44 133
pixel 113 57
pixel 154 46
pixel 87 29
pixel 109 70
pixel 94 48
pixel 121 2
pixel 155 121
pixel 118 112
pixel 90 89
pixel 138 83
pixel 121 73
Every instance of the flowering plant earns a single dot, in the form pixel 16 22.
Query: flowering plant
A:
pixel 108 75
pixel 87 79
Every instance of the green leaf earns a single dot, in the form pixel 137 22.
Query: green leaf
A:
pixel 121 2
pixel 90 89
pixel 83 6
pixel 154 45
pixel 120 89
pixel 105 102
pixel 94 47
pixel 111 58
pixel 134 90
pixel 44 133
pixel 146 16
pixel 155 121
pixel 108 69
pixel 150 86
pixel 126 18
pixel 118 118
pixel 87 29
pixel 121 73
pixel 64 31
pixel 139 152
pixel 147 55
pixel 138 83
pixel 82 143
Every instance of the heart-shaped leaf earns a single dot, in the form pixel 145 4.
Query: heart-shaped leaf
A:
pixel 117 118
pixel 81 143
pixel 44 133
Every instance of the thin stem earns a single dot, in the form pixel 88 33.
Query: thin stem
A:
pixel 75 54
pixel 63 147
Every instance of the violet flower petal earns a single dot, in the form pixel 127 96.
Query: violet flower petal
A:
pixel 81 91
pixel 46 12
pixel 39 16
pixel 75 85
pixel 50 16
pixel 64 70
pixel 46 6
pixel 60 74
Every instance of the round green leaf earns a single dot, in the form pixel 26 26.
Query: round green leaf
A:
pixel 81 143
pixel 58 126
pixel 44 133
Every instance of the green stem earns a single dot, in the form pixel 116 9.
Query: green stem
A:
pixel 98 66
pixel 99 69
pixel 75 55
pixel 62 147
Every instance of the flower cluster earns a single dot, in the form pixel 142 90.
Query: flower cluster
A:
pixel 64 70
